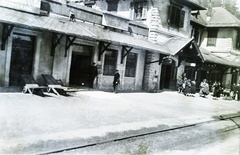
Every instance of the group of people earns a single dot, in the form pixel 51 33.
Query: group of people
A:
pixel 188 87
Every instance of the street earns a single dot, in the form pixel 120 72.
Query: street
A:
pixel 32 124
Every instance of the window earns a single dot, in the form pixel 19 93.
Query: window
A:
pixel 212 37
pixel 110 62
pixel 138 10
pixel 112 5
pixel 131 65
pixel 196 35
pixel 176 16
pixel 238 40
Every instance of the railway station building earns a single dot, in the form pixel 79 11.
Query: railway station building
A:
pixel 149 42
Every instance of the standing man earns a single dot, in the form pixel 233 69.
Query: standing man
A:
pixel 93 74
pixel 116 81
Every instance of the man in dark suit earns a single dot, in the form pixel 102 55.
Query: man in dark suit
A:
pixel 116 81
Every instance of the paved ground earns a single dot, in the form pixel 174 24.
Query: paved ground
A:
pixel 34 124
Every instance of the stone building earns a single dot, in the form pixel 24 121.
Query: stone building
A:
pixel 142 39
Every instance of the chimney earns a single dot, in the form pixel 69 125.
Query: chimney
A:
pixel 209 11
pixel 223 4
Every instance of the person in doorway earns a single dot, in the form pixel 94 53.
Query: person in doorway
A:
pixel 116 81
pixel 204 88
pixel 93 74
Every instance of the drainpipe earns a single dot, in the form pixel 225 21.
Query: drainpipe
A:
pixel 223 4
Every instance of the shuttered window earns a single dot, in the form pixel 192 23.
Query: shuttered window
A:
pixel 176 16
pixel 138 10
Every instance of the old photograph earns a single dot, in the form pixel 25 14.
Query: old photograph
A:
pixel 120 77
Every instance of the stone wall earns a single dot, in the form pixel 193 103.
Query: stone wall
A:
pixel 152 72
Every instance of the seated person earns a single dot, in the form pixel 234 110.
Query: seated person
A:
pixel 204 88
pixel 193 87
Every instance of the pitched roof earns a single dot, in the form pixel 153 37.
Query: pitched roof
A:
pixel 224 59
pixel 176 44
pixel 220 18
pixel 62 25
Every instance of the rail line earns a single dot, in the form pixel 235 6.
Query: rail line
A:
pixel 219 118
pixel 122 138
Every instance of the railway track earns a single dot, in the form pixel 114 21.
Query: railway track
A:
pixel 132 136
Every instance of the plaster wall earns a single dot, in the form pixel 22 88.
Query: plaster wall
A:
pixel 126 83
pixel 45 60
pixel 124 8
pixel 61 63
pixel 224 40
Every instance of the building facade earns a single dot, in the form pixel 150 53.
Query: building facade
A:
pixel 141 39
pixel 216 32
pixel 168 22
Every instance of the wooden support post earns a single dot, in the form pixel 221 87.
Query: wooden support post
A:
pixel 124 48
pixel 55 42
pixel 102 48
pixel 69 42
pixel 161 56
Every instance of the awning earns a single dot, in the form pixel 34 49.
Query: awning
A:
pixel 223 60
pixel 138 42
pixel 53 24
pixel 176 44
pixel 62 25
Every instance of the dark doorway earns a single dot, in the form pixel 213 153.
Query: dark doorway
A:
pixel 80 66
pixel 166 75
pixel 22 58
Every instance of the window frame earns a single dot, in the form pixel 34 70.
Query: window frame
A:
pixel 176 16
pixel 238 40
pixel 112 5
pixel 110 65
pixel 131 64
pixel 139 8
pixel 212 37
